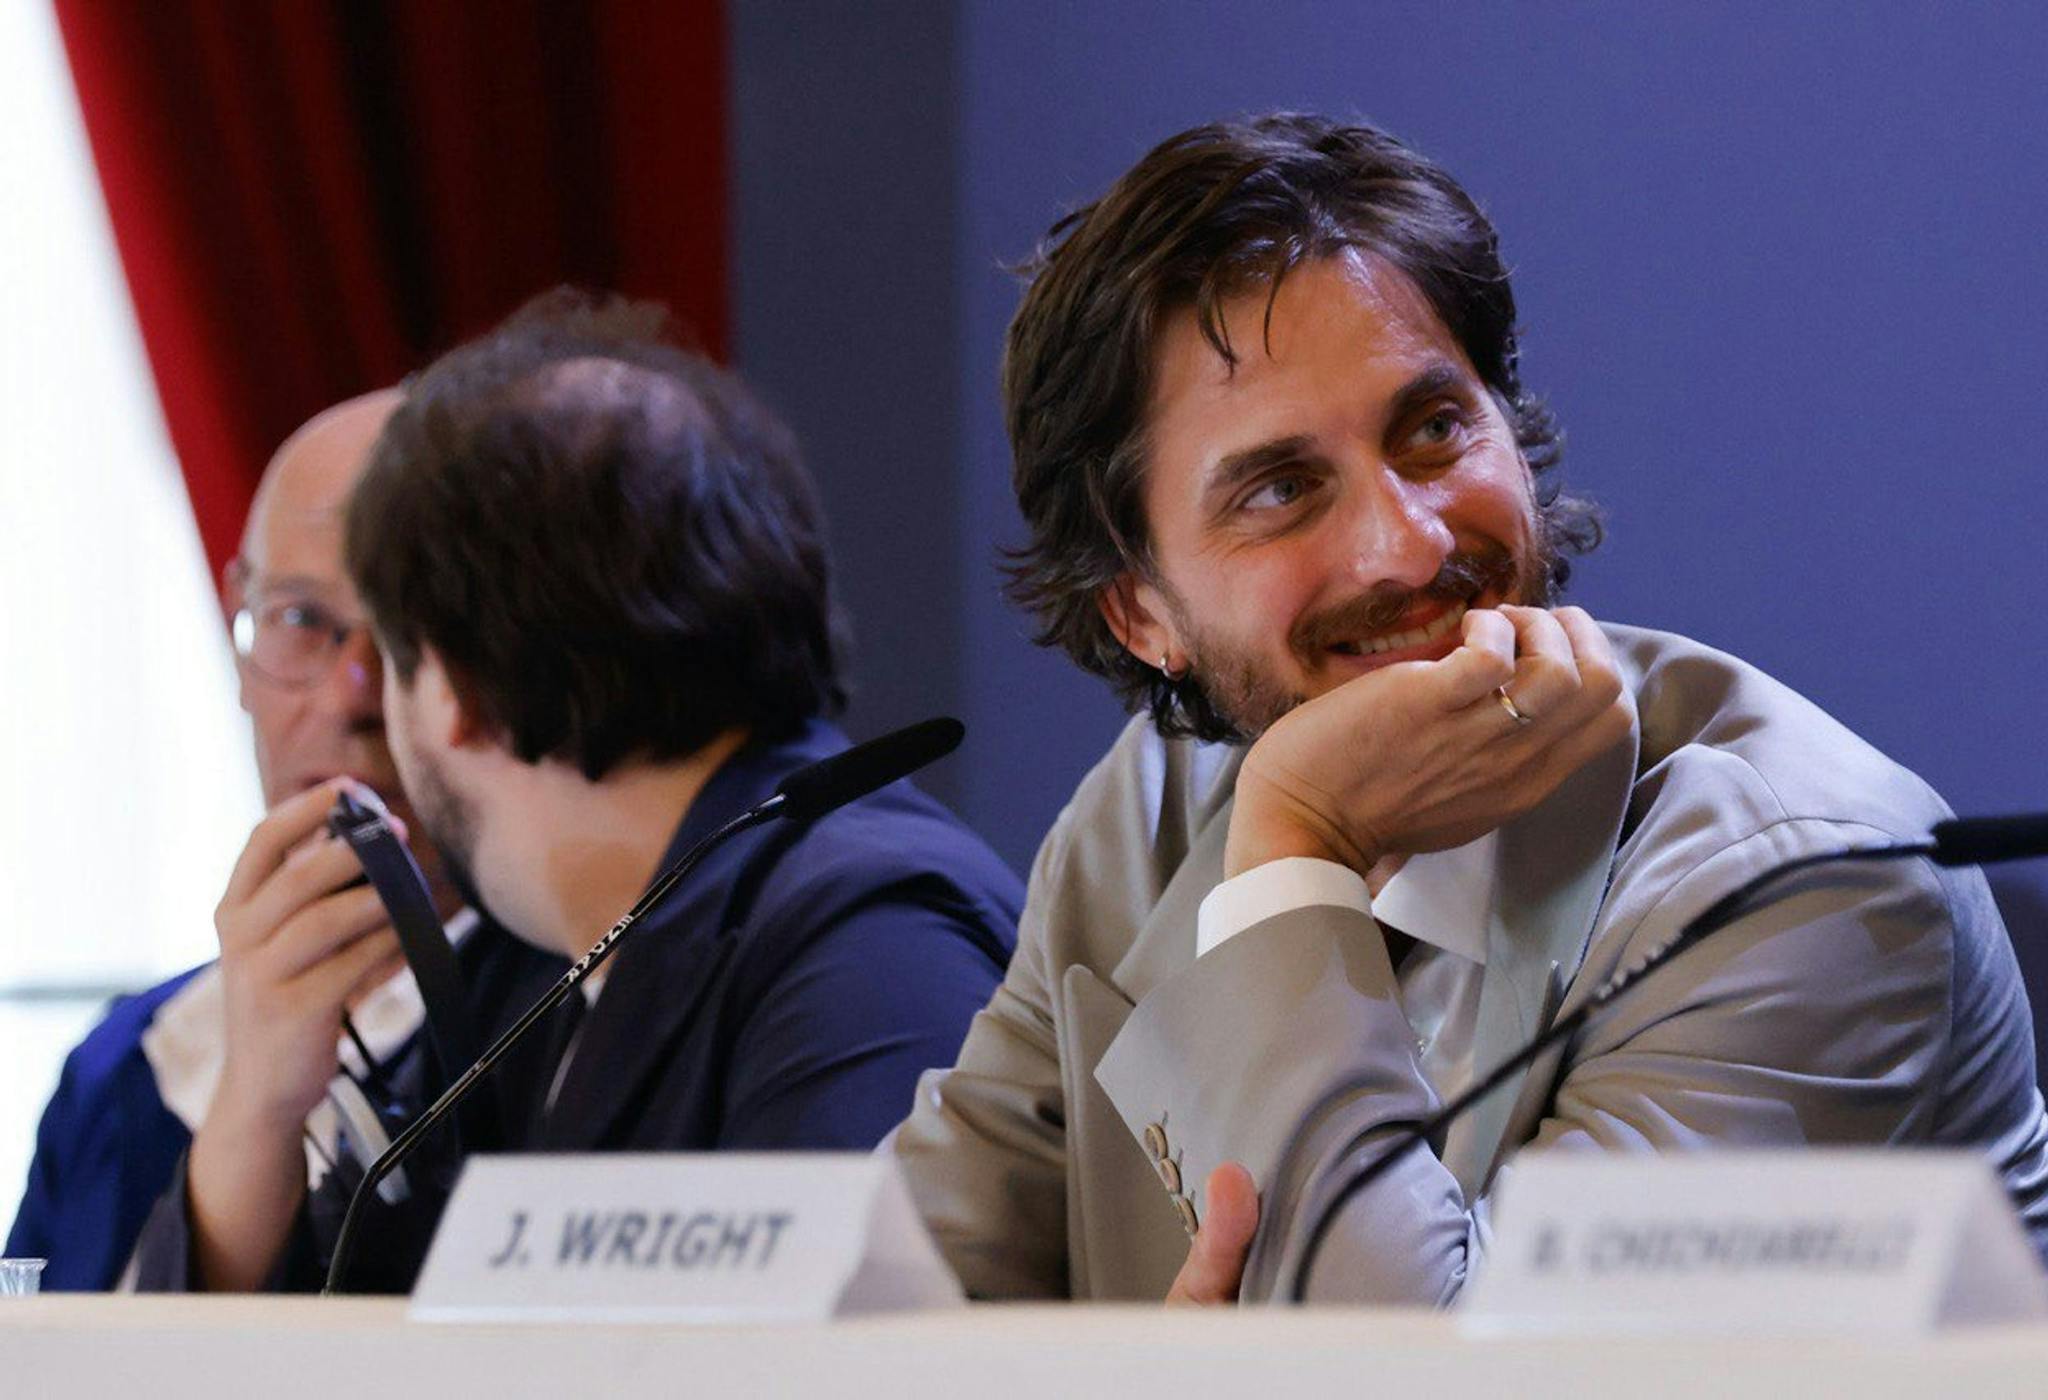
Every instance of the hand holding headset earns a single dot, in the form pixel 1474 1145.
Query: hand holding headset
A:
pixel 449 1028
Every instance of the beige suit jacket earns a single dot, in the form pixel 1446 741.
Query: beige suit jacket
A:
pixel 1064 1152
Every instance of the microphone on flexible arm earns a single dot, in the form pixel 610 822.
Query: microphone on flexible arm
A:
pixel 803 796
pixel 1957 841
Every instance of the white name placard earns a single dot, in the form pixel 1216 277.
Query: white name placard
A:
pixel 712 1237
pixel 1822 1241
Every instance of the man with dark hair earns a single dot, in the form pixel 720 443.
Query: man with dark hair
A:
pixel 1388 812
pixel 595 569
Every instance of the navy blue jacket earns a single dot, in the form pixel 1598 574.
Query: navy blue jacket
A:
pixel 785 997
pixel 104 1150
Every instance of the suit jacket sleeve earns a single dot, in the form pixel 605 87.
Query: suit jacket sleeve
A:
pixel 163 1254
pixel 829 1057
pixel 35 1219
pixel 984 1148
pixel 104 1147
pixel 1821 1017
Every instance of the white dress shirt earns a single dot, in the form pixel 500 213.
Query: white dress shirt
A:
pixel 1440 899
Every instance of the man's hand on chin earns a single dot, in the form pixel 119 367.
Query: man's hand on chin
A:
pixel 1215 1263
pixel 1427 755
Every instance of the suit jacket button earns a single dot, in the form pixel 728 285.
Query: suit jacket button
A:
pixel 1169 1172
pixel 1186 1207
pixel 1155 1140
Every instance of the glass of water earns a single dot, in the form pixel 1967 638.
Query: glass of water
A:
pixel 21 1276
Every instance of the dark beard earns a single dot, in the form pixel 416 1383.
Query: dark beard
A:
pixel 456 871
pixel 1236 686
pixel 450 824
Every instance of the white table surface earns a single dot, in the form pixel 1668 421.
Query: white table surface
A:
pixel 240 1348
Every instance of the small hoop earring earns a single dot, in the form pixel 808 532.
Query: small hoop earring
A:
pixel 1168 671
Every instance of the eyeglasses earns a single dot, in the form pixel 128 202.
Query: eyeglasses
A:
pixel 291 641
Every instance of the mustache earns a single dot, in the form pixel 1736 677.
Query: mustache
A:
pixel 1462 578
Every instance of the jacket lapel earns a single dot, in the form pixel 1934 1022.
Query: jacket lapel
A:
pixel 1165 943
pixel 670 968
pixel 1114 1199
pixel 1166 940
pixel 660 980
pixel 1551 876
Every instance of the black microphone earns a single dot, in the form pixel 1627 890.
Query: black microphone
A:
pixel 1985 840
pixel 811 792
pixel 805 795
pixel 1958 841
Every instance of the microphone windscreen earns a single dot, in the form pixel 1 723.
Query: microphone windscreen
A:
pixel 811 792
pixel 1982 840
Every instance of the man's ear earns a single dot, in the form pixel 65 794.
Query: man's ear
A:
pixel 234 596
pixel 1138 618
pixel 234 586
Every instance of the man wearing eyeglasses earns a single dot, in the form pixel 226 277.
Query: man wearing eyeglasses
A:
pixel 309 951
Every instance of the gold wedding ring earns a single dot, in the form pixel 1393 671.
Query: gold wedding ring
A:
pixel 1507 702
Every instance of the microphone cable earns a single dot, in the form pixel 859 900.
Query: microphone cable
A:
pixel 1958 841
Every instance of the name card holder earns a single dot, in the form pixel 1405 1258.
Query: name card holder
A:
pixel 1753 1242
pixel 680 1238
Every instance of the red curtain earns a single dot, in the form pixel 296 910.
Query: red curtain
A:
pixel 313 198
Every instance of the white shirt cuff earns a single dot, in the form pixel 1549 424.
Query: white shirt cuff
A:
pixel 1294 882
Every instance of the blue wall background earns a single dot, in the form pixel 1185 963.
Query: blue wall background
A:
pixel 1781 270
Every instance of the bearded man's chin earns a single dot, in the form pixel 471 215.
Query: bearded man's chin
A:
pixel 1248 707
pixel 456 869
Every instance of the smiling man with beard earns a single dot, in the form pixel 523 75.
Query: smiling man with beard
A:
pixel 1388 811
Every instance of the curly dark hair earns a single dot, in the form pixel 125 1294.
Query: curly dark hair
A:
pixel 1205 215
pixel 609 542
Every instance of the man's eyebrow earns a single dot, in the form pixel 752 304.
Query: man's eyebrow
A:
pixel 1232 468
pixel 298 585
pixel 1433 381
pixel 1242 465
